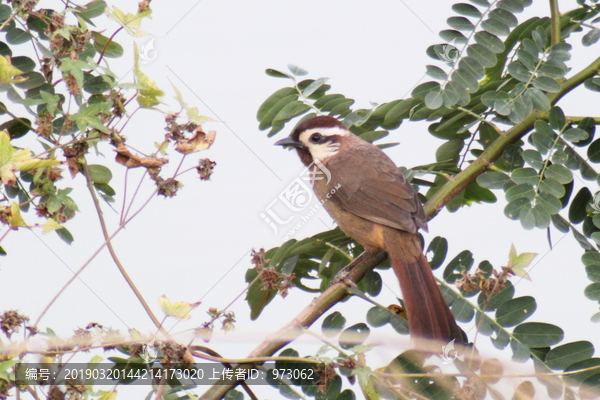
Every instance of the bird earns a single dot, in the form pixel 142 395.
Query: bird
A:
pixel 374 204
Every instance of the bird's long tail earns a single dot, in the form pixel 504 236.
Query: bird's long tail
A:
pixel 429 316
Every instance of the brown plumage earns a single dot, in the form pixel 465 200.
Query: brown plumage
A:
pixel 373 203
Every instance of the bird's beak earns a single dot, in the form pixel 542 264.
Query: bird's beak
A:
pixel 289 142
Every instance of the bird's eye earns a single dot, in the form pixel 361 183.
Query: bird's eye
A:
pixel 316 137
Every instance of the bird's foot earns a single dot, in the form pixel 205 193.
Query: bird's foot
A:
pixel 342 275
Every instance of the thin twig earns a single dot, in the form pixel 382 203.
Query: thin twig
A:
pixel 112 252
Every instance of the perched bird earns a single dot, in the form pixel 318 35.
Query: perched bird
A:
pixel 373 203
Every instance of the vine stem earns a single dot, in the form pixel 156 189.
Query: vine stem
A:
pixel 113 254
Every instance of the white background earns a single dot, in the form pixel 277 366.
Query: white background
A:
pixel 197 245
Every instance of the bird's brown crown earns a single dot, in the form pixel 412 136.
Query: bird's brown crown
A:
pixel 322 121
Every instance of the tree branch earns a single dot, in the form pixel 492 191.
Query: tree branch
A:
pixel 305 319
pixel 555 22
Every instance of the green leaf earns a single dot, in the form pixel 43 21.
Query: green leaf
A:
pixel 593 151
pixel 149 94
pixel 503 16
pixel 98 84
pixel 523 190
pixel 593 272
pixel 493 179
pixel 577 210
pixel 296 70
pixel 540 37
pixel 549 202
pixel 551 71
pixel 272 100
pixel 465 79
pixel 421 91
pixel 497 299
pixel 463 310
pixel 553 187
pixel 87 116
pixel 482 55
pixel 528 58
pixel 575 134
pixel 449 151
pixel 533 158
pixel 466 10
pixel 291 110
pixel 399 324
pixel 111 49
pixel 589 126
pixel 567 354
pixel 538 99
pixel 513 208
pixel 587 367
pixel 434 100
pixel 377 316
pixel 93 9
pixel 538 334
pixel 256 297
pixel 17 36
pixel 433 71
pixel 515 311
pixel 450 35
pixel 528 218
pixel 495 27
pixel 333 324
pixel 439 248
pixel 269 117
pixel 16 127
pixel 332 389
pixel 354 335
pixel 591 37
pixel 560 223
pixel 397 113
pixel 559 173
pixel 234 395
pixel 525 175
pixel 489 41
pixel 457 91
pixel 314 86
pixel 65 235
pixel 373 283
pixel 519 72
pixel 460 23
pixel 24 64
pixel 592 84
pixel 462 262
pixel 276 74
pixel 546 84
pixel 556 118
pixel 592 291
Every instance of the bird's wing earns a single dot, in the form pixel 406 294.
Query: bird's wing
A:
pixel 376 190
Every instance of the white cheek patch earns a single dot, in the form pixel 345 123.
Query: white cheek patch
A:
pixel 323 151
